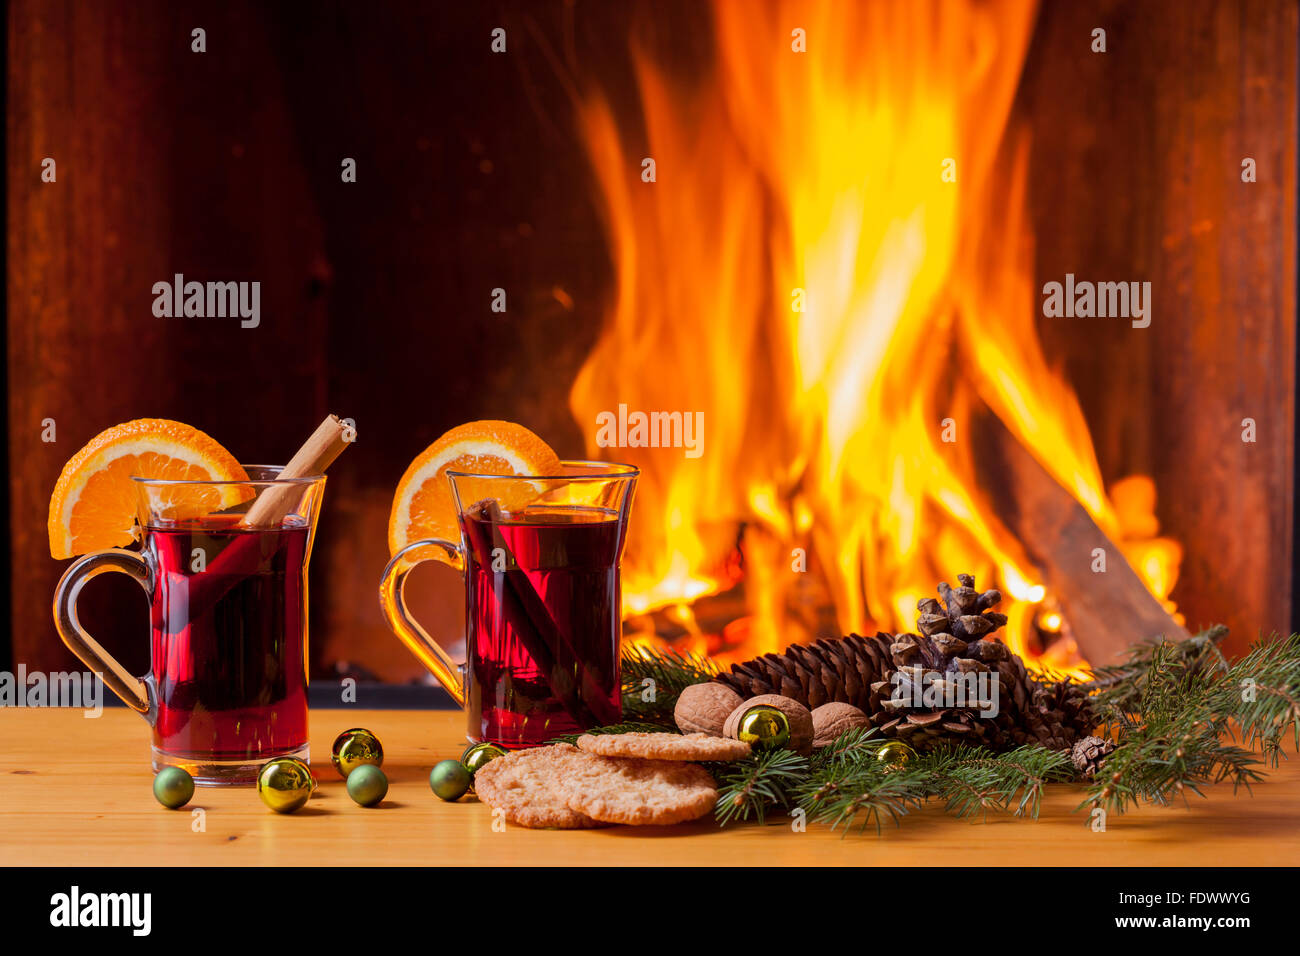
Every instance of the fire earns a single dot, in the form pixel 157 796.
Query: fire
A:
pixel 834 264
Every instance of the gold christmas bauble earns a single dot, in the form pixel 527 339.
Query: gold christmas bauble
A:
pixel 476 755
pixel 285 784
pixel 894 754
pixel 764 727
pixel 354 748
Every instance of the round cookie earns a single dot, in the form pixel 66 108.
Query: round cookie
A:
pixel 638 792
pixel 527 785
pixel 664 746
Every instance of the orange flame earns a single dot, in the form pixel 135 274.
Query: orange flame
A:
pixel 833 263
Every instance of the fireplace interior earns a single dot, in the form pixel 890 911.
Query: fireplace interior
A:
pixel 840 264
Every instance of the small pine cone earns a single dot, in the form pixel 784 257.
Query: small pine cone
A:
pixel 1089 753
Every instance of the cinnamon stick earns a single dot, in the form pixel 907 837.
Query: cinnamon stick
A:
pixel 268 511
pixel 325 444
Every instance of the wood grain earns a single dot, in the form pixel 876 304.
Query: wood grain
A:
pixel 1136 175
pixel 167 162
pixel 375 294
pixel 76 792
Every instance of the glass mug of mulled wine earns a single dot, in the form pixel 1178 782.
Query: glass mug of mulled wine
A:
pixel 227 588
pixel 540 556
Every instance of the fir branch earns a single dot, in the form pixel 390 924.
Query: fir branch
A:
pixel 862 793
pixel 972 782
pixel 850 786
pixel 670 670
pixel 1184 706
pixel 1261 695
pixel 757 785
pixel 653 678
pixel 1174 709
pixel 1162 762
pixel 854 746
pixel 1120 687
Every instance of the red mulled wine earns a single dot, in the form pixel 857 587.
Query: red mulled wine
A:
pixel 543 625
pixel 229 610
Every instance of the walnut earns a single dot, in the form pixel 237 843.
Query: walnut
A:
pixel 703 708
pixel 801 725
pixel 831 720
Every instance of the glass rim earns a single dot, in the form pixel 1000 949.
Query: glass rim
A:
pixel 305 480
pixel 600 471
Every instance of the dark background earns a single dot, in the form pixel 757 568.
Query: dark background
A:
pixel 471 176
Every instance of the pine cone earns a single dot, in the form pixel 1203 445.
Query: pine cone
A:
pixel 827 671
pixel 953 641
pixel 951 645
pixel 1089 754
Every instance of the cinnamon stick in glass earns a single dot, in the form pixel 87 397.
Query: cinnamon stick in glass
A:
pixel 325 444
pixel 268 510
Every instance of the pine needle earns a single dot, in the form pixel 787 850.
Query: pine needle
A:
pixel 863 794
pixel 973 783
pixel 1120 687
pixel 1174 718
pixel 1261 692
pixel 757 785
pixel 653 679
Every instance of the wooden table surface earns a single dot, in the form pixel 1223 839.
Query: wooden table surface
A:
pixel 76 791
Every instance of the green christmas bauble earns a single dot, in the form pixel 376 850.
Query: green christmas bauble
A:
pixel 173 787
pixel 894 754
pixel 285 784
pixel 355 748
pixel 476 755
pixel 764 727
pixel 367 785
pixel 449 779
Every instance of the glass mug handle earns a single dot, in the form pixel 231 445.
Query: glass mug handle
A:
pixel 417 640
pixel 133 691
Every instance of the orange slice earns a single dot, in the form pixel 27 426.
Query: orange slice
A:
pixel 423 506
pixel 95 501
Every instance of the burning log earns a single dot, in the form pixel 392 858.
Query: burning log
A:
pixel 720 624
pixel 1106 610
pixel 708 616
